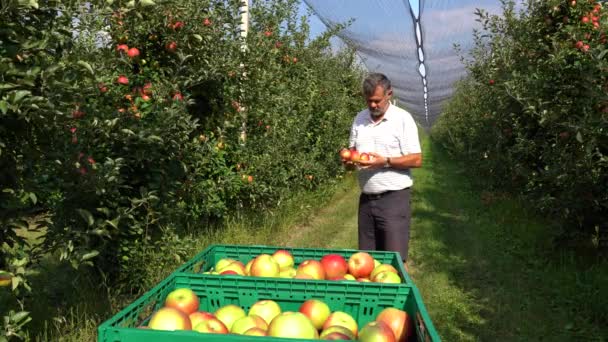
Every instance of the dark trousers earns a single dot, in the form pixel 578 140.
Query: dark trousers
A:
pixel 384 222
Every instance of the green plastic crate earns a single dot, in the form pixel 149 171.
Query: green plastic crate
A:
pixel 362 301
pixel 205 260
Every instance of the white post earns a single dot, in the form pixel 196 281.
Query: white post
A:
pixel 244 27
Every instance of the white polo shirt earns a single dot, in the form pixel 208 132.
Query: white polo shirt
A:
pixel 393 136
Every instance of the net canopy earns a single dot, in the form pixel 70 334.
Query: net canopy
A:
pixel 412 42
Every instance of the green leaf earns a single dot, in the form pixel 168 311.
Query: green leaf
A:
pixel 8 86
pixel 579 137
pixel 20 94
pixel 86 215
pixel 3 107
pixel 127 131
pixel 86 66
pixel 146 3
pixel 33 197
pixel 198 37
pixel 602 54
pixel 90 255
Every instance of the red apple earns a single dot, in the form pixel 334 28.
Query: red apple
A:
pixel 267 309
pixel 235 266
pixel 122 47
pixel 122 79
pixel 178 96
pixel 381 268
pixel 312 268
pixel 364 157
pixel 387 277
pixel 360 264
pixel 354 155
pixel 283 258
pixel 183 299
pixel 337 329
pixel 264 265
pixel 133 52
pixel 199 316
pixel 171 47
pixel 207 22
pixel 345 154
pixel 317 311
pixel 398 321
pixel 229 314
pixel 169 319
pixel 211 326
pixel 334 265
pixel 342 319
pixel 292 325
pixel 376 332
pixel 178 25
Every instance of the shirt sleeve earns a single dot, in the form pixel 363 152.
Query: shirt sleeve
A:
pixel 410 142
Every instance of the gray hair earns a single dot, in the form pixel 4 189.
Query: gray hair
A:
pixel 374 80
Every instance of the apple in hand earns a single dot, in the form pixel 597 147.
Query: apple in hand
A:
pixel 313 268
pixel 317 311
pixel 398 321
pixel 364 157
pixel 361 264
pixel 229 314
pixel 183 299
pixel 345 154
pixel 169 319
pixel 212 326
pixel 292 325
pixel 354 156
pixel 376 332
pixel 334 265
pixel 267 309
pixel 342 319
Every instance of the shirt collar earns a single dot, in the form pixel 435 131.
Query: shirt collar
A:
pixel 386 116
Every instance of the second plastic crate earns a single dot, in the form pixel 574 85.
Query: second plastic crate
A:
pixel 205 260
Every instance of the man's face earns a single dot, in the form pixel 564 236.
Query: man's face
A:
pixel 377 102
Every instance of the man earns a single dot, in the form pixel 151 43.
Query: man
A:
pixel 390 136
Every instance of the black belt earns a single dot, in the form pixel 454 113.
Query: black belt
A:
pixel 380 195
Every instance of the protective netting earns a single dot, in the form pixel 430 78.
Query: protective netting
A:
pixel 411 42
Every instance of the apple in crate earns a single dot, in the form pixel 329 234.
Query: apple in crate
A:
pixel 313 268
pixel 252 321
pixel 183 299
pixel 399 321
pixel 199 316
pixel 337 329
pixel 376 332
pixel 387 277
pixel 317 311
pixel 211 326
pixel 283 258
pixel 381 268
pixel 255 332
pixel 267 309
pixel 235 266
pixel 169 319
pixel 336 336
pixel 342 319
pixel 292 325
pixel 361 264
pixel 334 265
pixel 229 314
pixel 264 265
